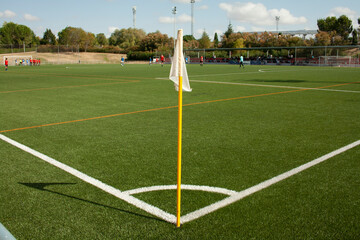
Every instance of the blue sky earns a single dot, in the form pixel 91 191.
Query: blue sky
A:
pixel 103 16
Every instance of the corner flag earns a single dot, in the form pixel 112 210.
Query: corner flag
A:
pixel 180 78
pixel 178 66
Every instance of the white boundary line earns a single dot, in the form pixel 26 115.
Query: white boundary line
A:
pixel 109 189
pixel 269 86
pixel 233 196
pixel 240 195
pixel 275 86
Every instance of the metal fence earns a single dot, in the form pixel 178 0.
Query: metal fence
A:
pixel 302 55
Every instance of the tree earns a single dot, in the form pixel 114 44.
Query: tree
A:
pixel 344 26
pixel 216 40
pixel 229 31
pixel 8 33
pixel 354 37
pixel 154 41
pixel 71 36
pixel 89 40
pixel 127 38
pixel 323 39
pixel 48 38
pixel 327 25
pixel 12 33
pixel 204 41
pixel 101 39
pixel 341 26
pixel 188 38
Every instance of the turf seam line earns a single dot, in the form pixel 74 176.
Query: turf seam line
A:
pixel 109 189
pixel 240 195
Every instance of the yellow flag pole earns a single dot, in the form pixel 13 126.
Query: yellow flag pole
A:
pixel 179 44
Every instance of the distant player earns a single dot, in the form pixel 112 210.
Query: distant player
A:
pixel 162 59
pixel 150 61
pixel 122 61
pixel 6 64
pixel 201 61
pixel 241 62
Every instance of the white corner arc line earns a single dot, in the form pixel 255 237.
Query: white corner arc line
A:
pixel 184 187
pixel 109 189
pixel 240 195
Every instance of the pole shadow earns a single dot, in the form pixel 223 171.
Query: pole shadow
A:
pixel 42 187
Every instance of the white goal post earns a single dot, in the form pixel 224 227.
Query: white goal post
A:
pixel 15 59
pixel 335 60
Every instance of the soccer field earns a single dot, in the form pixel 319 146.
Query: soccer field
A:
pixel 269 152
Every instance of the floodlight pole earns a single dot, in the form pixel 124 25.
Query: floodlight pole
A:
pixel 192 17
pixel 277 18
pixel 174 12
pixel 134 16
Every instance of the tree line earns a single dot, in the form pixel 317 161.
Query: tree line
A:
pixel 331 31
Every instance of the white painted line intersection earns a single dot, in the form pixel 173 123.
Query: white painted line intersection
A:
pixel 127 195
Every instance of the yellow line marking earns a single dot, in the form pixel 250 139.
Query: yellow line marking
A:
pixel 170 107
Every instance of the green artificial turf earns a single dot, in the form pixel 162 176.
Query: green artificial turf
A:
pixel 119 125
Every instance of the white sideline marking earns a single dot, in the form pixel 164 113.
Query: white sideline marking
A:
pixel 109 189
pixel 240 195
pixel 184 187
pixel 275 86
pixel 270 86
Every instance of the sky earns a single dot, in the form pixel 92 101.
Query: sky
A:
pixel 104 16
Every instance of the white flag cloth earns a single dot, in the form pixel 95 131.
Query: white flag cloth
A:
pixel 174 72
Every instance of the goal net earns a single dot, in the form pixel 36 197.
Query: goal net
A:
pixel 16 60
pixel 338 61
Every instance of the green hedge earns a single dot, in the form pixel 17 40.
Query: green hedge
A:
pixel 61 48
pixel 140 55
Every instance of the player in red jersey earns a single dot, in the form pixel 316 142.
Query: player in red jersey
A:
pixel 6 64
pixel 201 61
pixel 162 58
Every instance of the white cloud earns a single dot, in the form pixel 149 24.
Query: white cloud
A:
pixel 338 11
pixel 112 29
pixel 203 7
pixel 200 31
pixel 258 29
pixel 184 18
pixel 29 17
pixel 240 29
pixel 166 20
pixel 184 1
pixel 258 14
pixel 7 14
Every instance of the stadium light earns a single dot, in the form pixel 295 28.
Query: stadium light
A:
pixel 192 16
pixel 277 18
pixel 134 16
pixel 174 12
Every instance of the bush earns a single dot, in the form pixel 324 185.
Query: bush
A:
pixel 62 48
pixel 139 55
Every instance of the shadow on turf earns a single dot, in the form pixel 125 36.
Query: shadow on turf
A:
pixel 41 186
